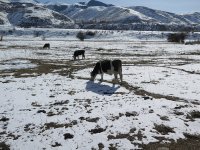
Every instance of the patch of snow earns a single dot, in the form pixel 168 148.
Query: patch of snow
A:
pixel 16 64
pixel 18 107
pixel 195 68
pixel 33 104
pixel 24 1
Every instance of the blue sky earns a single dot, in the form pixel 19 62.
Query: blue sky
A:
pixel 176 6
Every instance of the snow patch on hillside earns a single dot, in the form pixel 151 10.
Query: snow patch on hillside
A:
pixel 24 1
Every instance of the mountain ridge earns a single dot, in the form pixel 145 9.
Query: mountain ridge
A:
pixel 27 14
pixel 95 14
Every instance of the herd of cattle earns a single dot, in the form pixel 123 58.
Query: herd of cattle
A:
pixel 104 66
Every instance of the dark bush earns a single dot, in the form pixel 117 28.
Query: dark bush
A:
pixel 81 36
pixel 176 37
pixel 10 32
pixel 192 42
pixel 90 33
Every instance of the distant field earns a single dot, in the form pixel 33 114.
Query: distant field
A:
pixel 48 101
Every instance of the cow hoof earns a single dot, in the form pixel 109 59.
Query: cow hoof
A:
pixel 115 81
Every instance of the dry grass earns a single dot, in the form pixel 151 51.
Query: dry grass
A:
pixel 54 125
pixel 192 142
pixel 4 146
pixel 163 129
pixel 97 130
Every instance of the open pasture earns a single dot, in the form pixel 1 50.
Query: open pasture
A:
pixel 48 101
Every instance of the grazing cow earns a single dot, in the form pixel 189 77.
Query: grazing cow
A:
pixel 109 67
pixel 46 45
pixel 79 52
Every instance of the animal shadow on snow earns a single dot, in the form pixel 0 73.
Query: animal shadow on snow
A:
pixel 101 89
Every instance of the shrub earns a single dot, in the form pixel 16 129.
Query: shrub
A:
pixel 90 33
pixel 81 36
pixel 176 37
pixel 192 42
pixel 10 32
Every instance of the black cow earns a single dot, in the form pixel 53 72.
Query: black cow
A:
pixel 46 45
pixel 79 52
pixel 109 67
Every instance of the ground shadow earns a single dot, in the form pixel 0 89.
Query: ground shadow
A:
pixel 101 89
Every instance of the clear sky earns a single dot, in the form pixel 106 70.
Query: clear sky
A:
pixel 176 6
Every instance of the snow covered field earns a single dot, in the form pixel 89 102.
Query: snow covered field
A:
pixel 48 101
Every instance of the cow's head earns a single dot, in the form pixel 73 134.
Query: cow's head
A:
pixel 74 57
pixel 93 75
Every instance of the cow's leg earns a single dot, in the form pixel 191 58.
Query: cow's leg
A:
pixel 121 76
pixel 83 56
pixel 115 74
pixel 101 77
pixel 115 79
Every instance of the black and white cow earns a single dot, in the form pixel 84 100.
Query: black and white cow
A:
pixel 109 67
pixel 46 45
pixel 79 52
